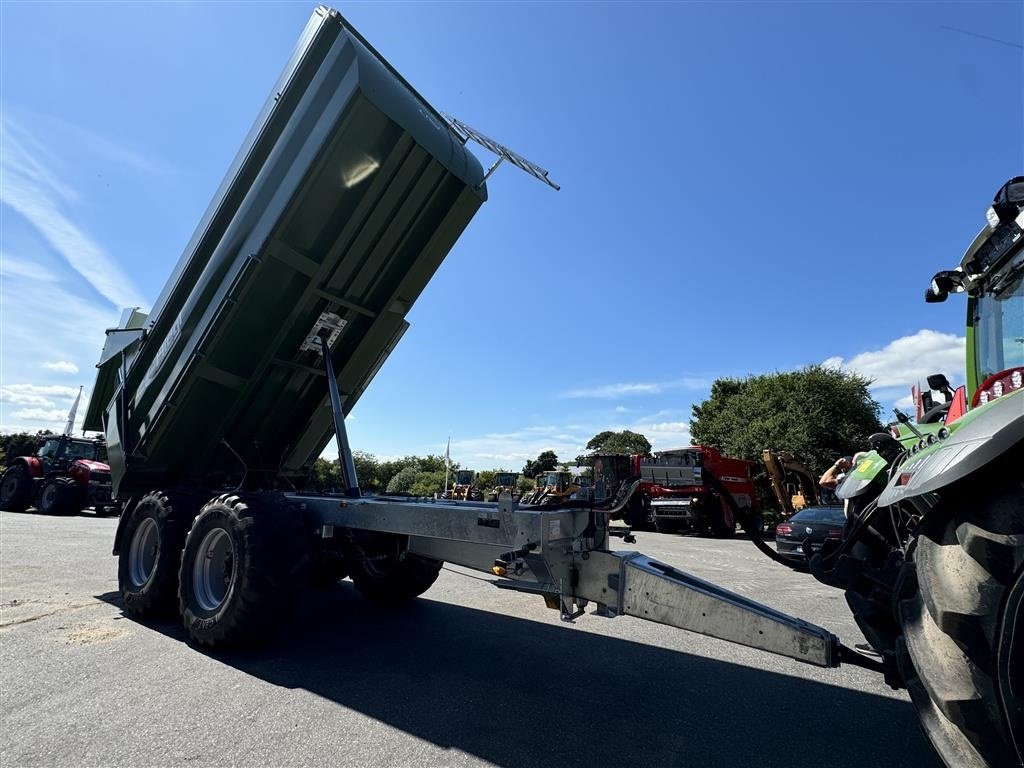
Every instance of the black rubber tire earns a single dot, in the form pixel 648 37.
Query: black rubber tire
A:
pixel 157 596
pixel 724 531
pixel 15 489
pixel 662 525
pixel 57 497
pixel 267 569
pixel 384 574
pixel 953 603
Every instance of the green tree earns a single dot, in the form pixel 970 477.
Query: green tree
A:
pixel 15 444
pixel 485 479
pixel 403 481
pixel 368 471
pixel 428 483
pixel 325 475
pixel 545 462
pixel 816 413
pixel 626 441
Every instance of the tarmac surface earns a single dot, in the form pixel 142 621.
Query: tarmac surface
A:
pixel 468 675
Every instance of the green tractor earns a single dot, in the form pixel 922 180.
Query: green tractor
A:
pixel 932 557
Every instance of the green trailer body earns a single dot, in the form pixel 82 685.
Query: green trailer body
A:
pixel 346 196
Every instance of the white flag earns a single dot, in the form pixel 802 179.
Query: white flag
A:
pixel 447 451
pixel 71 416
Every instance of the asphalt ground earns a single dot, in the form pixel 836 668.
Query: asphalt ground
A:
pixel 468 675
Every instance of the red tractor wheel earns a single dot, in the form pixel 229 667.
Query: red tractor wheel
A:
pixel 57 497
pixel 15 489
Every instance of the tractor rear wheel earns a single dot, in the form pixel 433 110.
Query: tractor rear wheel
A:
pixel 15 489
pixel 150 551
pixel 241 569
pixel 57 497
pixel 386 574
pixel 958 601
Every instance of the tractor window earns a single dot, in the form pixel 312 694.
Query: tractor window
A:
pixel 49 449
pixel 999 324
pixel 80 451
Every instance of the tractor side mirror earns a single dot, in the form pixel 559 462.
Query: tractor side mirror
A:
pixel 940 383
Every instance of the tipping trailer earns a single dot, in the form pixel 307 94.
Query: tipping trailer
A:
pixel 344 200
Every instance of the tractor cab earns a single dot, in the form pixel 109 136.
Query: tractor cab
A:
pixel 608 472
pixel 506 479
pixel 60 451
pixel 504 483
pixel 991 273
pixel 464 477
pixel 554 482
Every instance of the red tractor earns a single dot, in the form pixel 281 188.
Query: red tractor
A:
pixel 64 476
pixel 680 490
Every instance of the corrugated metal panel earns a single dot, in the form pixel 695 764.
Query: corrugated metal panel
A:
pixel 346 197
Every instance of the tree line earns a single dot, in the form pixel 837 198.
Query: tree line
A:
pixel 815 413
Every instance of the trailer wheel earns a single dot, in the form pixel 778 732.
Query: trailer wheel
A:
pixel 57 496
pixel 386 574
pixel 959 605
pixel 15 489
pixel 147 565
pixel 240 571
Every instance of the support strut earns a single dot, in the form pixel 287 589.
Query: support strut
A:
pixel 345 460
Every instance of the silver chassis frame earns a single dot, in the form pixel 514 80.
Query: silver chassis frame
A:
pixel 563 555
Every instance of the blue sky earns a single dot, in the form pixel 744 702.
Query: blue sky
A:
pixel 746 187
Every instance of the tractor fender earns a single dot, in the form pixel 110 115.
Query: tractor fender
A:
pixel 31 463
pixel 983 436
pixel 862 477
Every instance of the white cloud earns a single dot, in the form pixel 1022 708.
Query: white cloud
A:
pixel 631 389
pixel 41 415
pixel 35 394
pixel 61 366
pixel 621 409
pixel 665 435
pixel 14 268
pixel 39 407
pixel 34 192
pixel 510 450
pixel 907 360
pixel 51 321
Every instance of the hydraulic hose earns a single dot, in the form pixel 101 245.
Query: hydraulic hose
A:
pixel 747 520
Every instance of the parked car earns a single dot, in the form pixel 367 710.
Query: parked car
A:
pixel 812 525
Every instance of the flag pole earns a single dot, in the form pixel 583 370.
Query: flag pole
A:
pixel 447 463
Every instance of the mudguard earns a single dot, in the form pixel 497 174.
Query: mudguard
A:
pixel 980 437
pixel 862 477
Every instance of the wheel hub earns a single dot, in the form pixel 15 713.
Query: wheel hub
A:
pixel 213 572
pixel 143 552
